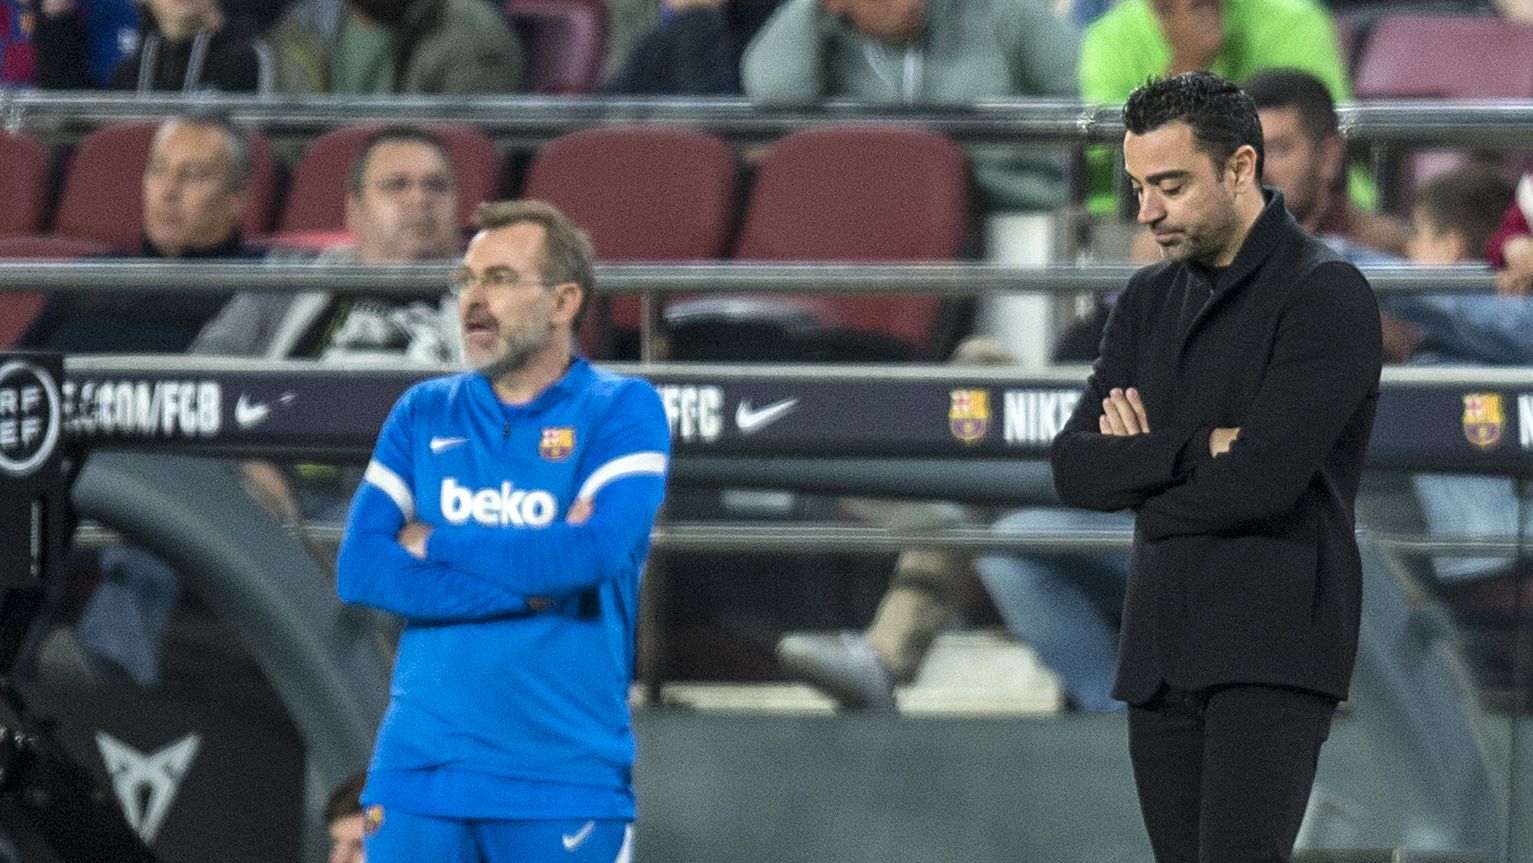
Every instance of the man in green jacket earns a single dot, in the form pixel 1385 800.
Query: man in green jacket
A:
pixel 1143 39
pixel 451 47
pixel 924 52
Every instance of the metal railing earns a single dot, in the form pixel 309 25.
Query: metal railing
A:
pixel 535 118
pixel 947 280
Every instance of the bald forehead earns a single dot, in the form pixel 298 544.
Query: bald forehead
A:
pixel 405 155
pixel 186 141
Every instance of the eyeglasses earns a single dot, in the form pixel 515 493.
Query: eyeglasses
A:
pixel 398 185
pixel 493 280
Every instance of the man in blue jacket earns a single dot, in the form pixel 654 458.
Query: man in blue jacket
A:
pixel 1229 409
pixel 505 516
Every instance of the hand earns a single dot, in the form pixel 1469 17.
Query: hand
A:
pixel 580 511
pixel 1517 279
pixel 56 8
pixel 1219 440
pixel 1514 283
pixel 1195 31
pixel 412 538
pixel 264 482
pixel 1400 339
pixel 1123 413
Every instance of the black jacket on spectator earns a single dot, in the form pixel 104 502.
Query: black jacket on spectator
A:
pixel 231 59
pixel 150 322
pixel 696 52
pixel 1245 567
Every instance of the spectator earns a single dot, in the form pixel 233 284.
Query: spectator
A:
pixel 397 46
pixel 1455 215
pixel 402 207
pixel 1142 39
pixel 184 46
pixel 111 33
pixel 194 196
pixel 1306 160
pixel 345 822
pixel 923 52
pixel 694 49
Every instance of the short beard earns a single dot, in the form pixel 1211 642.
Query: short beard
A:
pixel 515 358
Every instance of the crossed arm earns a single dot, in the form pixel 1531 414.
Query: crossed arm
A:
pixel 1209 479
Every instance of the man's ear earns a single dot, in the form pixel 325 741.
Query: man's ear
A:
pixel 1460 246
pixel 353 212
pixel 567 300
pixel 1332 153
pixel 1242 164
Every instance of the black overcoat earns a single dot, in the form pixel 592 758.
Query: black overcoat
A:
pixel 1245 567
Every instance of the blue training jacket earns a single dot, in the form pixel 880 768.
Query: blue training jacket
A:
pixel 510 690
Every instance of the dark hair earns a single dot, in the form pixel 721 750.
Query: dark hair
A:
pixel 568 255
pixel 394 134
pixel 1223 119
pixel 346 799
pixel 1300 91
pixel 1468 200
pixel 236 141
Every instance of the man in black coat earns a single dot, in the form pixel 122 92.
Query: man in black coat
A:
pixel 1229 408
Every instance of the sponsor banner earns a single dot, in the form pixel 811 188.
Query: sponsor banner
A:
pixel 807 415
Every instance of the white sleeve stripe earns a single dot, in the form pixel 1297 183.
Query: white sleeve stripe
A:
pixel 390 484
pixel 628 465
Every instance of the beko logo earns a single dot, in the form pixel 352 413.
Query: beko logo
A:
pixel 497 507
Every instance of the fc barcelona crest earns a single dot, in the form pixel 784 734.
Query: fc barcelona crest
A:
pixel 969 414
pixel 1484 419
pixel 557 443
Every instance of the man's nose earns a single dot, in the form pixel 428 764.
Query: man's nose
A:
pixel 1151 208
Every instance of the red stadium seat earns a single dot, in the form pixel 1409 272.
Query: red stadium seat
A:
pixel 103 196
pixel 643 194
pixel 566 43
pixel 316 199
pixel 859 193
pixel 18 310
pixel 1446 58
pixel 1423 57
pixel 24 185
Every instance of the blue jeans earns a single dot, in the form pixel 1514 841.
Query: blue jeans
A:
pixel 1067 606
pixel 1470 507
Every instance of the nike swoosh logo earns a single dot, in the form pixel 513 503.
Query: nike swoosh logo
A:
pixel 247 413
pixel 438 444
pixel 574 840
pixel 752 419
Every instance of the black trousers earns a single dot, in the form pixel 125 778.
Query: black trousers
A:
pixel 1224 774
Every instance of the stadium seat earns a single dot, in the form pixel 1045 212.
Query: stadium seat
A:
pixel 868 194
pixel 102 198
pixel 24 184
pixel 1424 57
pixel 316 199
pixel 643 194
pixel 566 43
pixel 1419 57
pixel 18 310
